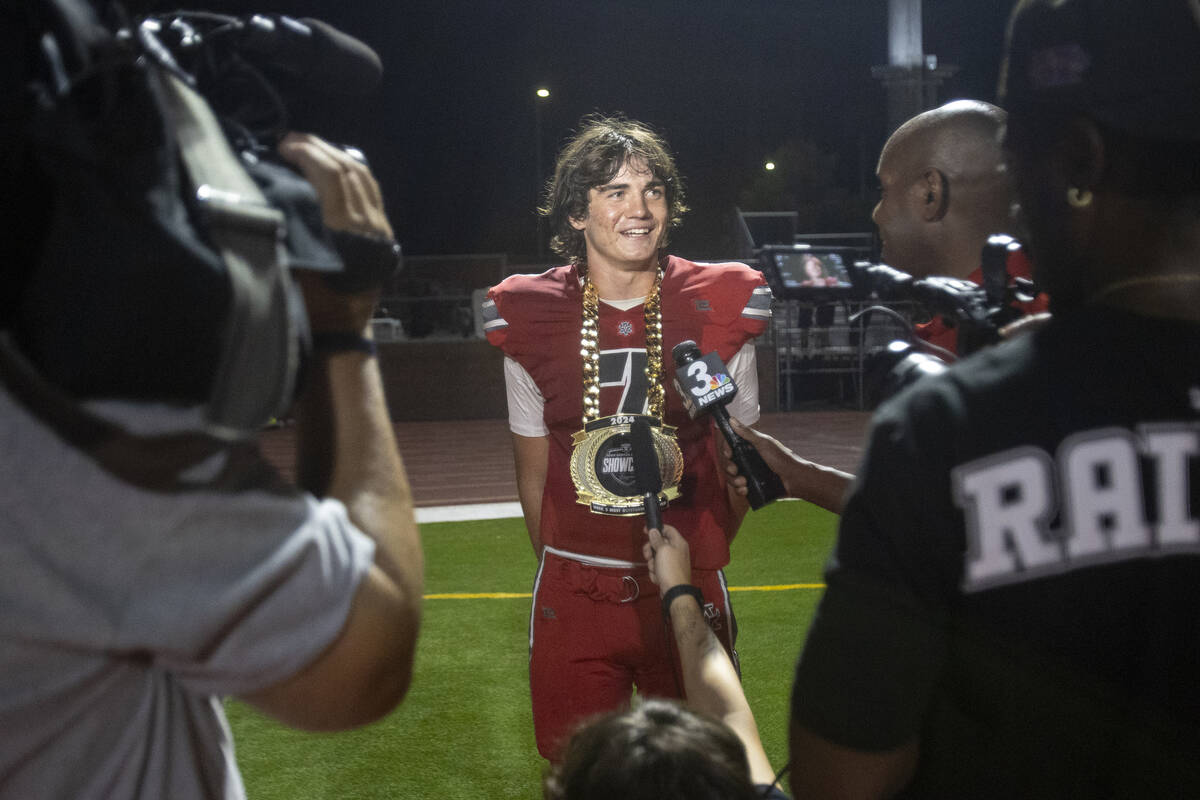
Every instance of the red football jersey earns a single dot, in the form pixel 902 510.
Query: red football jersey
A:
pixel 537 323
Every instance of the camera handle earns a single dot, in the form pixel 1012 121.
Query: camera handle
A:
pixel 256 375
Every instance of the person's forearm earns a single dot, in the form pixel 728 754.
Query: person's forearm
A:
pixel 347 450
pixel 818 484
pixel 535 540
pixel 709 680
pixel 804 480
pixel 530 457
pixel 531 509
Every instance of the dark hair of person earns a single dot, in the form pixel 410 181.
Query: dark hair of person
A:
pixel 657 751
pixel 592 159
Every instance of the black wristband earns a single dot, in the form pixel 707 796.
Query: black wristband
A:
pixel 675 591
pixel 342 342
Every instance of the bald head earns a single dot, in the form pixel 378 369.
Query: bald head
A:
pixel 943 189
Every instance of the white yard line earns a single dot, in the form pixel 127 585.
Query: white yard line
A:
pixel 468 512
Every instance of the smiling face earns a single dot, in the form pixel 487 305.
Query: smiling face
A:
pixel 626 220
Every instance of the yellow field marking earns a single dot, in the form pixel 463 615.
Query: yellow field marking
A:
pixel 479 596
pixel 784 587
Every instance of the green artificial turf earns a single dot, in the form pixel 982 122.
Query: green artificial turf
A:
pixel 464 731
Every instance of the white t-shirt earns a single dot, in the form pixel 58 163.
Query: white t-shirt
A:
pixel 126 614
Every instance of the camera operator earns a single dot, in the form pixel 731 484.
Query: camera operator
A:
pixel 151 567
pixel 1013 603
pixel 943 190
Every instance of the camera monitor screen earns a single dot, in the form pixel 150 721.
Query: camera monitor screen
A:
pixel 807 272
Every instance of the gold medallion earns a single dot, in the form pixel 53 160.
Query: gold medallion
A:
pixel 602 464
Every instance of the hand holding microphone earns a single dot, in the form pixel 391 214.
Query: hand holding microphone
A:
pixel 704 385
pixel 646 476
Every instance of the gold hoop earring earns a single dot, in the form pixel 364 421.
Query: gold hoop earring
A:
pixel 1079 198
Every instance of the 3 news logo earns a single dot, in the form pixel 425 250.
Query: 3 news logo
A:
pixel 704 382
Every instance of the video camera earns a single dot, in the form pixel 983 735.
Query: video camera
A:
pixel 978 311
pixel 161 228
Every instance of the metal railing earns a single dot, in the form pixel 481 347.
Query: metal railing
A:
pixel 818 339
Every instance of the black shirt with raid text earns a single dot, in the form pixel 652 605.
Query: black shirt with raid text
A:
pixel 1017 575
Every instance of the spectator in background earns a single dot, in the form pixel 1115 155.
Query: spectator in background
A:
pixel 1014 599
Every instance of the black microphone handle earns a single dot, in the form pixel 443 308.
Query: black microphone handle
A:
pixel 653 512
pixel 762 484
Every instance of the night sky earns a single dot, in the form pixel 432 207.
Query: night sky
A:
pixel 451 132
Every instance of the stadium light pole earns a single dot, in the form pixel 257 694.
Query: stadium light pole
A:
pixel 541 95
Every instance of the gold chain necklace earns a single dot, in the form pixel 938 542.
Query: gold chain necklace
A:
pixel 601 463
pixel 589 348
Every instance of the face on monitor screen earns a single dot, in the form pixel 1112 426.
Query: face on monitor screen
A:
pixel 812 269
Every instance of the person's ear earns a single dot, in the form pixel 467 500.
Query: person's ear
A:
pixel 1081 154
pixel 935 201
pixel 578 223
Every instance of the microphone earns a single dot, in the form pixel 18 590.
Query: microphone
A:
pixel 311 52
pixel 647 478
pixel 709 389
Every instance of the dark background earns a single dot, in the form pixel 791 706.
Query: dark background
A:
pixel 451 133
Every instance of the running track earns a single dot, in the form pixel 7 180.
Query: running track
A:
pixel 470 462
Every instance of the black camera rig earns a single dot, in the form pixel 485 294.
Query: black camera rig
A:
pixel 978 311
pixel 161 230
pixel 822 276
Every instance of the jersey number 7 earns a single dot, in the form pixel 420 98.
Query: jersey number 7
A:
pixel 626 368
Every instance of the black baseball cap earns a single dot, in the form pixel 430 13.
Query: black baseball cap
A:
pixel 1133 65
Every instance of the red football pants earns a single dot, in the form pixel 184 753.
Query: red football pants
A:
pixel 596 631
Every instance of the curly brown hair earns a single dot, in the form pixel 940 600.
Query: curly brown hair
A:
pixel 601 147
